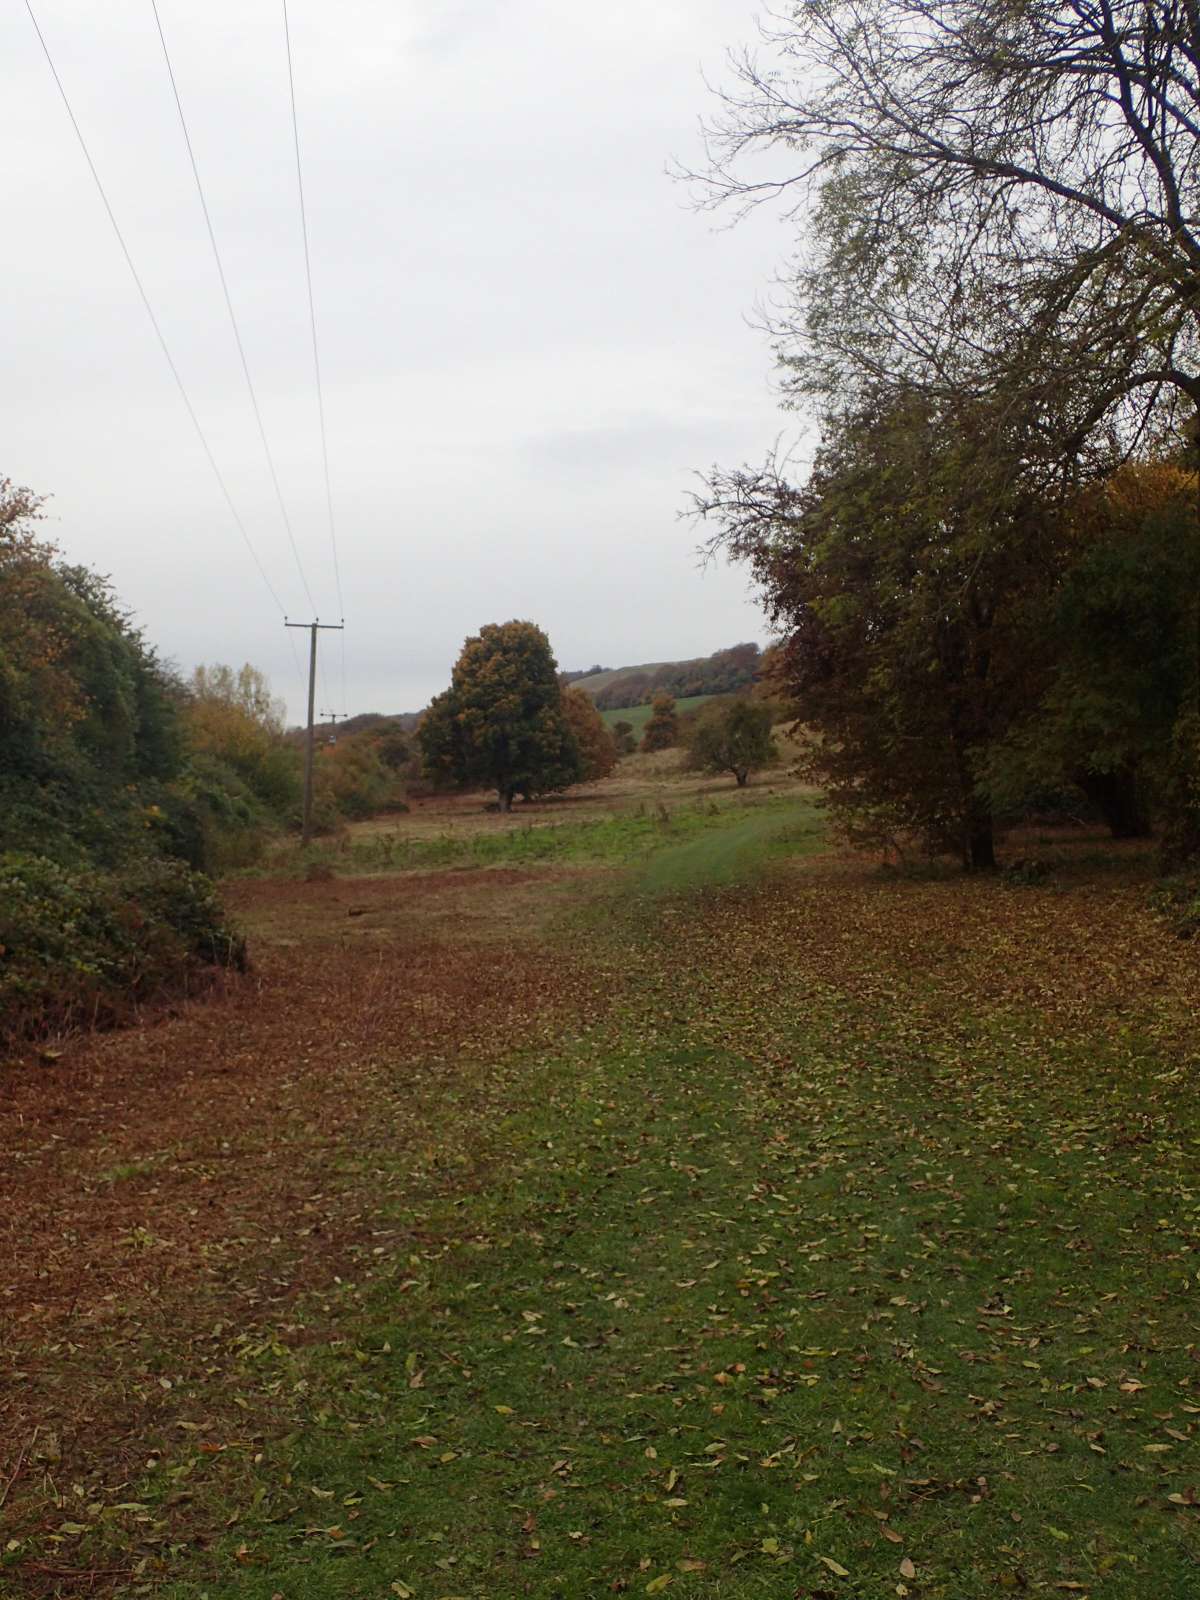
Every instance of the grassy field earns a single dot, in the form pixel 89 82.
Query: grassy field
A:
pixel 684 1209
pixel 638 716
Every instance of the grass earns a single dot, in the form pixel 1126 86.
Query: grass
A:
pixel 638 716
pixel 851 1250
pixel 616 839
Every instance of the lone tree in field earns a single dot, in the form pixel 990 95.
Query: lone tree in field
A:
pixel 501 721
pixel 732 736
pixel 662 728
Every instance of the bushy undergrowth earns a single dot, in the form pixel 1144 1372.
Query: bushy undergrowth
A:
pixel 1178 901
pixel 84 946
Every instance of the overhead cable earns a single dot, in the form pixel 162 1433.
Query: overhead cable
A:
pixel 154 322
pixel 312 322
pixel 233 321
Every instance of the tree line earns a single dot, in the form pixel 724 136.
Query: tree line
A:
pixel 985 585
pixel 124 786
pixel 724 672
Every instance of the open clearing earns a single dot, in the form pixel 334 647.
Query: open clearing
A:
pixel 681 1209
pixel 638 716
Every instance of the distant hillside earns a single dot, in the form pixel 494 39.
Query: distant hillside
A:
pixel 619 688
pixel 407 720
pixel 724 672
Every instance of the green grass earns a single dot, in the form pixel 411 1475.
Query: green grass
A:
pixel 736 853
pixel 626 837
pixel 799 1275
pixel 638 716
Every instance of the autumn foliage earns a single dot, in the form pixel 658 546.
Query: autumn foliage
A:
pixel 662 726
pixel 598 751
pixel 502 721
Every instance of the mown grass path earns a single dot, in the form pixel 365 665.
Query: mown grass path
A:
pixel 851 1251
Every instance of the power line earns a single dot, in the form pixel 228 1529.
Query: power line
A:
pixel 312 322
pixel 233 321
pixel 154 322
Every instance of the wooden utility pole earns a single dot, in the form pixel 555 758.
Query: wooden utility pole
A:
pixel 314 628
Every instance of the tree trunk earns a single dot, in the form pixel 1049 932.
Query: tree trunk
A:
pixel 741 774
pixel 982 849
pixel 506 799
pixel 1115 795
pixel 980 855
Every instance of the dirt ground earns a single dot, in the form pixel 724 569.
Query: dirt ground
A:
pixel 190 1172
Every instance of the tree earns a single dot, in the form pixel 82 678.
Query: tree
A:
pixel 662 726
pixel 232 717
pixel 732 736
pixel 1120 620
pixel 623 736
pixel 352 777
pixel 247 689
pixel 904 575
pixel 998 201
pixel 964 167
pixel 597 746
pixel 501 721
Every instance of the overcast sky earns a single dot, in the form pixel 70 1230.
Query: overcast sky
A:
pixel 530 342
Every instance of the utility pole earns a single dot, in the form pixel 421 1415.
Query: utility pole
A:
pixel 314 628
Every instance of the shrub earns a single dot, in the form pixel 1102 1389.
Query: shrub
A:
pixel 81 947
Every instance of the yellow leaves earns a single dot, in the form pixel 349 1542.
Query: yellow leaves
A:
pixel 657 1585
pixel 402 1591
pixel 907 1569
pixel 836 1567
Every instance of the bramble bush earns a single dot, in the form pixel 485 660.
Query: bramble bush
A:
pixel 84 947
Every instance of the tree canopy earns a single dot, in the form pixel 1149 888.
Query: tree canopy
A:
pixel 993 305
pixel 662 726
pixel 597 745
pixel 990 195
pixel 501 721
pixel 732 736
pixel 901 575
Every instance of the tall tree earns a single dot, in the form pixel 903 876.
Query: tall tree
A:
pixel 501 721
pixel 996 200
pixel 901 576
